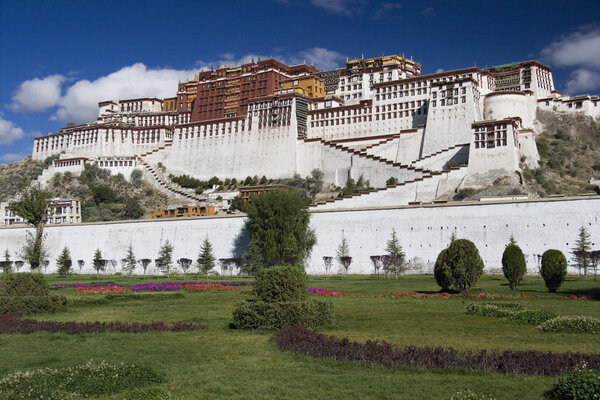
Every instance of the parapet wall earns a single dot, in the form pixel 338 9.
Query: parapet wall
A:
pixel 423 232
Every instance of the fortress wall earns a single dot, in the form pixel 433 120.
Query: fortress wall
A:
pixel 270 152
pixel 377 172
pixel 505 105
pixel 448 126
pixel 423 232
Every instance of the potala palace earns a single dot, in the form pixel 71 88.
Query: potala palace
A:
pixel 377 118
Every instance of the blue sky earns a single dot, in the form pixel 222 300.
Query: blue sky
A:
pixel 59 58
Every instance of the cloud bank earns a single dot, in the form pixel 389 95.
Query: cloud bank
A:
pixel 9 132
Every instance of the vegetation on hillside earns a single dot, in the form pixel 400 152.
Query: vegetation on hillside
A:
pixel 106 197
pixel 569 149
pixel 16 176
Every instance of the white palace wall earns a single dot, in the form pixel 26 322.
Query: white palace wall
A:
pixel 423 232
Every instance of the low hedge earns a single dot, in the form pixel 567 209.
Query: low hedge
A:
pixel 24 284
pixel 251 314
pixel 580 385
pixel 32 304
pixel 511 311
pixel 572 324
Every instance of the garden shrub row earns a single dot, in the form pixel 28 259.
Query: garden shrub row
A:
pixel 82 381
pixel 511 311
pixel 300 339
pixel 32 304
pixel 252 314
pixel 24 284
pixel 117 298
pixel 11 323
pixel 572 324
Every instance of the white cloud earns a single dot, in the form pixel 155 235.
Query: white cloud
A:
pixel 9 132
pixel 37 94
pixel 322 58
pixel 437 71
pixel 583 81
pixel 428 12
pixel 346 8
pixel 388 10
pixel 80 101
pixel 578 50
pixel 10 157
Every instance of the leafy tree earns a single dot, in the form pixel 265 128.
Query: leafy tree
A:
pixel 135 178
pixel 581 251
pixel 513 265
pixel 164 262
pixel 554 269
pixel 98 262
pixel 32 206
pixel 144 262
pixel 129 261
pixel 327 261
pixel 391 181
pixel 64 262
pixel 206 259
pixel 594 260
pixel 459 266
pixel 132 209
pixel 248 181
pixel 263 180
pixel 394 262
pixel 237 203
pixel 80 264
pixel 185 264
pixel 278 222
pixel 376 260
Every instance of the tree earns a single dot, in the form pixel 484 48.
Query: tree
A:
pixel 98 262
pixel 185 264
pixel 343 255
pixel 32 206
pixel 278 221
pixel 327 261
pixel 129 261
pixel 144 262
pixel 252 259
pixel 164 262
pixel 459 266
pixel 594 260
pixel 6 264
pixel 554 269
pixel 513 265
pixel 80 264
pixel 581 251
pixel 511 240
pixel 394 262
pixel 18 265
pixel 64 262
pixel 206 259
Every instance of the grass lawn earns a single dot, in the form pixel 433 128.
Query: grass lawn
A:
pixel 220 363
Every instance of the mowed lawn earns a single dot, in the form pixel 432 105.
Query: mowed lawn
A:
pixel 220 363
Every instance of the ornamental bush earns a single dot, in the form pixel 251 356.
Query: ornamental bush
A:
pixel 513 265
pixel 459 266
pixel 262 315
pixel 572 324
pixel 281 284
pixel 511 311
pixel 24 284
pixel 579 385
pixel 32 304
pixel 554 269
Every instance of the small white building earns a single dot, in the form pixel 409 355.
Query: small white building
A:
pixel 60 211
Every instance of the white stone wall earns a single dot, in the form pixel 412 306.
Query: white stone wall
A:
pixel 507 105
pixel 423 232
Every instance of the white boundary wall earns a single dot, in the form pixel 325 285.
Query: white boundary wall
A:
pixel 422 230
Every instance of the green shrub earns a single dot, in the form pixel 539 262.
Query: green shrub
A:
pixel 281 284
pixel 532 317
pixel 82 381
pixel 554 269
pixel 579 385
pixel 24 284
pixel 512 311
pixel 513 265
pixel 32 304
pixel 263 315
pixel 459 266
pixel 572 324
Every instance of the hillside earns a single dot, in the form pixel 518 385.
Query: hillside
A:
pixel 17 176
pixel 569 148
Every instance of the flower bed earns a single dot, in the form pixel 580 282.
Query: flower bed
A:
pixel 155 287
pixel 85 285
pixel 11 323
pixel 326 292
pixel 174 286
pixel 200 287
pixel 304 341
pixel 100 290
pixel 572 324
pixel 414 295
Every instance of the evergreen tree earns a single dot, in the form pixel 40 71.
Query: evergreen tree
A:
pixel 343 255
pixel 165 258
pixel 581 251
pixel 253 259
pixel 98 262
pixel 64 262
pixel 129 261
pixel 206 258
pixel 394 262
